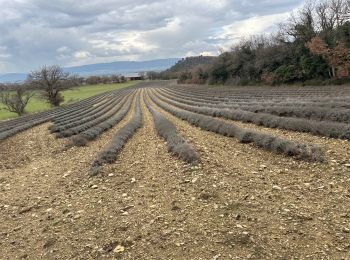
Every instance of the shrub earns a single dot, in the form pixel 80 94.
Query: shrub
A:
pixel 267 142
pixel 329 129
pixel 109 153
pixel 175 143
pixel 286 74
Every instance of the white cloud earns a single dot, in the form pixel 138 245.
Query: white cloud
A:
pixel 63 49
pixel 81 55
pixel 256 25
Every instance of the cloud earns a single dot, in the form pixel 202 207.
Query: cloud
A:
pixel 37 32
pixel 252 26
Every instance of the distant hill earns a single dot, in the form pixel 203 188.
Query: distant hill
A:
pixel 123 67
pixel 12 77
pixel 118 67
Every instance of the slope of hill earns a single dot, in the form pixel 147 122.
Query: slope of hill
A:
pixel 12 77
pixel 183 65
pixel 123 67
pixel 119 67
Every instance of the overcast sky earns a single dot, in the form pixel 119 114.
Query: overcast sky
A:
pixel 69 32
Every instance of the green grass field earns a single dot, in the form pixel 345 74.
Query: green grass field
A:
pixel 37 104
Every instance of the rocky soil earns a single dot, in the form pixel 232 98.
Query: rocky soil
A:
pixel 240 202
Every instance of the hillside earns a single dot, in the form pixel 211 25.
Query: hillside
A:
pixel 12 77
pixel 123 67
pixel 184 65
pixel 189 63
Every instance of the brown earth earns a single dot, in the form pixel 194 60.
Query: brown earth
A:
pixel 241 202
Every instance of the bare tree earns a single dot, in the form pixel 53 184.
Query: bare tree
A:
pixel 52 80
pixel 17 100
pixel 340 8
pixel 302 24
pixel 326 17
pixel 332 14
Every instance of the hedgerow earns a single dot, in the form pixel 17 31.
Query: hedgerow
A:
pixel 12 127
pixel 86 111
pixel 94 120
pixel 88 117
pixel 83 138
pixel 176 144
pixel 109 154
pixel 329 129
pixel 267 97
pixel 265 141
pixel 22 127
pixel 308 111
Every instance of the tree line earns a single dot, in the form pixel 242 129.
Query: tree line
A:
pixel 49 81
pixel 312 47
pixel 105 79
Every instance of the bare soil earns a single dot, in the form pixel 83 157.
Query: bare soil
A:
pixel 241 202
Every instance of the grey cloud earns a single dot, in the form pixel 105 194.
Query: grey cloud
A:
pixel 33 31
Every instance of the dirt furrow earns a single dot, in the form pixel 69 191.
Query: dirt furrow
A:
pixel 43 199
pixel 270 205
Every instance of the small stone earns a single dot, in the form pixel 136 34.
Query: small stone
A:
pixel 129 240
pixel 133 180
pixel 94 187
pixel 346 230
pixel 347 165
pixel 216 256
pixel 49 242
pixel 275 187
pixel 119 249
pixel 110 175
